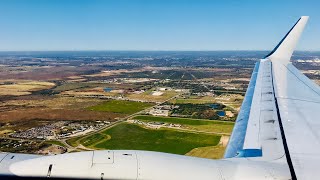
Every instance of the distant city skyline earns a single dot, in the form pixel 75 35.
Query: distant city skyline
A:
pixel 150 25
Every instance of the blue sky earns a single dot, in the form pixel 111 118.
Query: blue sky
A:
pixel 154 24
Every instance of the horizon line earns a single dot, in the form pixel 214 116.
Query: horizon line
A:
pixel 147 50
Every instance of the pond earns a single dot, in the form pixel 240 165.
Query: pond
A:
pixel 221 113
pixel 107 89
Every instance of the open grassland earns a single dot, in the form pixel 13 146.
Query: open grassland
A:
pixel 53 102
pixel 18 88
pixel 194 100
pixel 53 108
pixel 130 136
pixel 193 124
pixel 147 96
pixel 118 106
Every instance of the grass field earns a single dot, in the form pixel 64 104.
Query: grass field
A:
pixel 193 124
pixel 118 106
pixel 134 137
pixel 92 140
pixel 74 141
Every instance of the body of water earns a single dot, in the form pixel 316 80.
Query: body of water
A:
pixel 221 113
pixel 107 89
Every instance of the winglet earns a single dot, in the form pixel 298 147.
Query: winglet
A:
pixel 283 51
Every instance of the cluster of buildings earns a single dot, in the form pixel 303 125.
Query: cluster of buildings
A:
pixel 163 110
pixel 75 128
pixel 59 130
pixel 42 132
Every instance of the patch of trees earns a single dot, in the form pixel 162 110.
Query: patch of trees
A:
pixel 199 111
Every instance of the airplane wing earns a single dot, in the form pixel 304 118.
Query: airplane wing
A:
pixel 280 115
pixel 276 136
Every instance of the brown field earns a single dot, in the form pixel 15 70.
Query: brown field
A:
pixel 42 73
pixel 55 114
pixel 91 92
pixel 52 108
pixel 18 88
pixel 56 102
pixel 113 72
pixel 211 152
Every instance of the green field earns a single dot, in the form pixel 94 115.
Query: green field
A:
pixel 94 139
pixel 193 124
pixel 134 137
pixel 118 106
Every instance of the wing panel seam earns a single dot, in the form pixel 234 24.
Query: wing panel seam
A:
pixel 284 140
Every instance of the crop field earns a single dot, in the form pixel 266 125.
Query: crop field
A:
pixel 193 124
pixel 134 137
pixel 118 106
